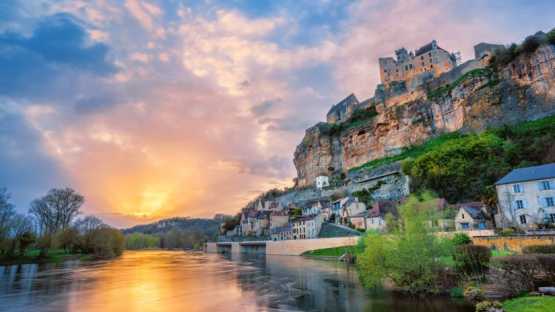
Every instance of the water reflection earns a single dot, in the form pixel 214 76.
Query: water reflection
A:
pixel 186 281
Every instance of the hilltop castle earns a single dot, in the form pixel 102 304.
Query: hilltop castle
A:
pixel 403 77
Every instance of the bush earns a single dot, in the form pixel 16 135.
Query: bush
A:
pixel 105 242
pixel 489 306
pixel 551 36
pixel 472 259
pixel 461 239
pixel 473 293
pixel 547 265
pixel 539 249
pixel 530 44
pixel 518 273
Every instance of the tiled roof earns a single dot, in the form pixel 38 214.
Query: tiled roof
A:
pixel 474 212
pixel 335 230
pixel 529 174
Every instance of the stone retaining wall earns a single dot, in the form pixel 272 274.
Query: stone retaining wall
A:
pixel 513 243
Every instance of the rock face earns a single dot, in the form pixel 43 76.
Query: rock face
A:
pixel 468 101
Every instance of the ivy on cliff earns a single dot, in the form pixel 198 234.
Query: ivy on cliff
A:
pixel 475 73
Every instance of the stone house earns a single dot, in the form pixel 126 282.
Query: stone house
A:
pixel 351 207
pixel 322 181
pixel 314 207
pixel 281 233
pixel 472 216
pixel 526 197
pixel 278 219
pixel 306 227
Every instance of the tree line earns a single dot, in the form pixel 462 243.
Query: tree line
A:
pixel 54 221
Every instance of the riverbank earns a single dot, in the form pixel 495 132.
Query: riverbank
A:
pixel 333 253
pixel 54 256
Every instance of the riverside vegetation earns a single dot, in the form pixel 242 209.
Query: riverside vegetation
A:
pixel 53 232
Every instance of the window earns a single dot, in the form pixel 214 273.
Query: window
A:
pixel 549 202
pixel 552 217
pixel 545 185
pixel 519 204
pixel 517 188
pixel 464 226
pixel 523 219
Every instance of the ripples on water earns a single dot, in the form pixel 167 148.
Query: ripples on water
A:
pixel 191 281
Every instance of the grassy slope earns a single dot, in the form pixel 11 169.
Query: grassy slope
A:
pixel 530 304
pixel 332 252
pixel 437 143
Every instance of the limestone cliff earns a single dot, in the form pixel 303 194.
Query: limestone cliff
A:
pixel 469 98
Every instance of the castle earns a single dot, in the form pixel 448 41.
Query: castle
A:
pixel 403 77
pixel 413 68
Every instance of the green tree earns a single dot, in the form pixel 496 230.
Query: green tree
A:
pixel 409 256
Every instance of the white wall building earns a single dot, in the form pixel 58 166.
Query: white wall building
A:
pixel 306 227
pixel 322 181
pixel 526 197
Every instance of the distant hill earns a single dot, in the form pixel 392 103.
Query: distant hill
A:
pixel 208 227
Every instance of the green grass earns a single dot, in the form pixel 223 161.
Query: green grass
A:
pixel 411 152
pixel 502 253
pixel 332 252
pixel 530 304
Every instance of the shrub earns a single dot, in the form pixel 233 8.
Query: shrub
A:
pixel 489 306
pixel 105 242
pixel 530 44
pixel 472 259
pixel 551 36
pixel 547 265
pixel 539 249
pixel 461 239
pixel 473 293
pixel 518 272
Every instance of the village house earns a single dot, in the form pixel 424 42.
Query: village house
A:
pixel 278 219
pixel 471 216
pixel 526 197
pixel 281 233
pixel 351 207
pixel 314 207
pixel 306 227
pixel 322 181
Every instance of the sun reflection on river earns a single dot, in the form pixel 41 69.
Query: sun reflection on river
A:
pixel 192 281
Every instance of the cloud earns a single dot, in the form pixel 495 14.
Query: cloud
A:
pixel 57 45
pixel 28 171
pixel 264 107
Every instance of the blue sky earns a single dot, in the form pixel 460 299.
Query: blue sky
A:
pixel 160 108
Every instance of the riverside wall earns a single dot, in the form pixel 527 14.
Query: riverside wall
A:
pixel 284 248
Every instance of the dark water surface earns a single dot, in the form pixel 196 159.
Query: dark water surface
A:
pixel 190 281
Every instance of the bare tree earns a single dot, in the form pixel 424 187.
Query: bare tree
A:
pixel 88 224
pixel 57 209
pixel 6 212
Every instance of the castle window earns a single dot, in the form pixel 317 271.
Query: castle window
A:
pixel 523 219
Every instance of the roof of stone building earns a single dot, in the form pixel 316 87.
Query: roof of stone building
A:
pixel 474 209
pixel 529 174
pixel 280 213
pixel 336 230
pixel 343 104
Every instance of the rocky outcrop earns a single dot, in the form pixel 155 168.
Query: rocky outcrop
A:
pixel 469 101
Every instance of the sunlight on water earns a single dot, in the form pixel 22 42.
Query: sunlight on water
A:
pixel 188 281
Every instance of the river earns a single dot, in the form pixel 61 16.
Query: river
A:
pixel 194 281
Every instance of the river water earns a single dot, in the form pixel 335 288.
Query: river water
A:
pixel 194 281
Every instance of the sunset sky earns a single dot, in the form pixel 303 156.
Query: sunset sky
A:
pixel 153 109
